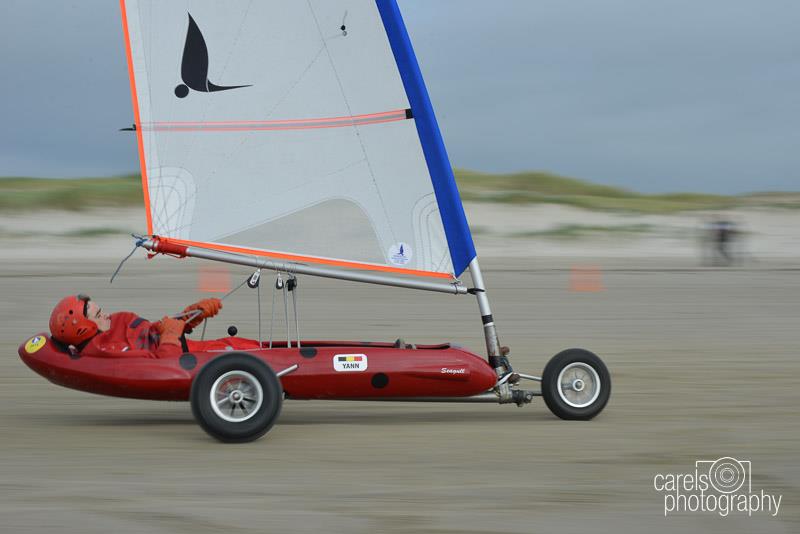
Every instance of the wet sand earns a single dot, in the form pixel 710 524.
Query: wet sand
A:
pixel 704 362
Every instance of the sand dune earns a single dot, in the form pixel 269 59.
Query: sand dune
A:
pixel 500 230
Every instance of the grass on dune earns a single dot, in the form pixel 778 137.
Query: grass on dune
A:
pixel 95 232
pixel 28 194
pixel 88 232
pixel 534 182
pixel 548 188
pixel 72 194
pixel 575 231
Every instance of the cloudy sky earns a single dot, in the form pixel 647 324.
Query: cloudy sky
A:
pixel 669 95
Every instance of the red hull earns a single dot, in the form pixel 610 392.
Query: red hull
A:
pixel 374 370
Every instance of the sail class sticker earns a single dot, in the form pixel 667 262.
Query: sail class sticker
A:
pixel 35 343
pixel 344 363
pixel 400 253
pixel 194 65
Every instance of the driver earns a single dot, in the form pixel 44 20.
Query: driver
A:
pixel 78 321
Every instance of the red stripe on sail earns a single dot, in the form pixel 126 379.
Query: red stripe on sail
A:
pixel 288 124
pixel 325 119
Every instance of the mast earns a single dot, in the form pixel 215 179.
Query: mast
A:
pixel 489 331
pixel 459 237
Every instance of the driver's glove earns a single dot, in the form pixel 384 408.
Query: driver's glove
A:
pixel 170 331
pixel 207 307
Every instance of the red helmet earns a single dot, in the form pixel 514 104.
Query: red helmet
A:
pixel 68 322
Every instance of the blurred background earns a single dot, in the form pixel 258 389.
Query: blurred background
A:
pixel 630 175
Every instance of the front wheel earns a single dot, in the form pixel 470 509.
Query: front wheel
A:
pixel 236 398
pixel 576 384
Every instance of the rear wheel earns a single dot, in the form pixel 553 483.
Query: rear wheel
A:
pixel 576 384
pixel 236 398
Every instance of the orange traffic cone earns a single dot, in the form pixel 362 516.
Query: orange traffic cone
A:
pixel 213 279
pixel 586 278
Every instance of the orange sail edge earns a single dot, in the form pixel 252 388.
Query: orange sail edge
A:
pixel 177 247
pixel 136 116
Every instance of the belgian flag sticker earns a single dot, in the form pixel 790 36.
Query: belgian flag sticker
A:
pixel 344 363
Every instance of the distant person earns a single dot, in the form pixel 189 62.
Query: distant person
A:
pixel 78 322
pixel 723 233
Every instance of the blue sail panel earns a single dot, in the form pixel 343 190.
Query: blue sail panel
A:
pixel 459 238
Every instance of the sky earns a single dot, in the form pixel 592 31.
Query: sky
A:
pixel 655 96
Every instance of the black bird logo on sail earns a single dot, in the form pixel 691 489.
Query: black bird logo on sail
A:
pixel 194 65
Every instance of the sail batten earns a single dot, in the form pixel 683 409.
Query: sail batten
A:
pixel 286 124
pixel 346 120
pixel 290 126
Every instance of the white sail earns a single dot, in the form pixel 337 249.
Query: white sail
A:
pixel 282 128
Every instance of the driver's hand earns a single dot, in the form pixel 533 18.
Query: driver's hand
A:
pixel 207 307
pixel 170 331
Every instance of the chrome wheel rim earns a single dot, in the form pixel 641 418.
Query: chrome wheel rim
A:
pixel 236 396
pixel 578 385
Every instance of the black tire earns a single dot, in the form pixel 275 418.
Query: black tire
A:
pixel 220 374
pixel 581 407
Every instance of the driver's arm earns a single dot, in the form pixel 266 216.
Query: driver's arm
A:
pixel 169 344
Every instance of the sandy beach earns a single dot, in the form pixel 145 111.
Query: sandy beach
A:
pixel 703 360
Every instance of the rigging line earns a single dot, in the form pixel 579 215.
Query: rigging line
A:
pixel 355 128
pixel 258 296
pixel 294 307
pixel 272 318
pixel 139 242
pixel 232 291
pixel 286 316
pixel 223 297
